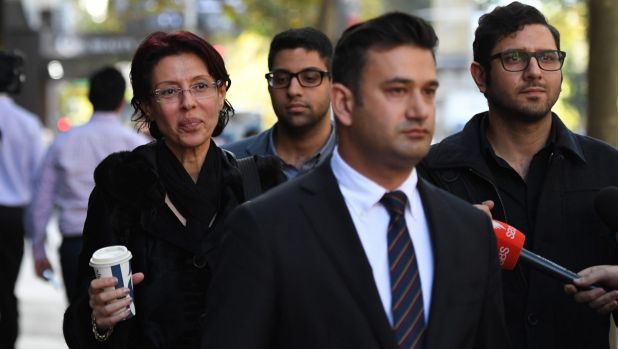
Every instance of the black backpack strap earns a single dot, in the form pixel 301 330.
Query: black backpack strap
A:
pixel 250 177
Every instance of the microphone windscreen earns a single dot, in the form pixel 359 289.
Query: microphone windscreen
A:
pixel 510 243
pixel 606 205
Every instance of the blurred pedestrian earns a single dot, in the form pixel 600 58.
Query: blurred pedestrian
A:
pixel 299 85
pixel 66 178
pixel 21 148
pixel 165 201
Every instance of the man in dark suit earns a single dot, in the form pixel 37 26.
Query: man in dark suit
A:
pixel 361 253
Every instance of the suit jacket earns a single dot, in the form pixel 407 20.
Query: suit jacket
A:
pixel 254 145
pixel 294 274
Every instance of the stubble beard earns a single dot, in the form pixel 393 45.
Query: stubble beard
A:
pixel 309 122
pixel 528 113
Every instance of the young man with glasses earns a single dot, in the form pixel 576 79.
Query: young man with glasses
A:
pixel 523 164
pixel 299 85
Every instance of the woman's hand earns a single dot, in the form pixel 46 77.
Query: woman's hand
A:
pixel 109 305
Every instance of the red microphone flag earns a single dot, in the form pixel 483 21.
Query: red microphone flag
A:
pixel 510 243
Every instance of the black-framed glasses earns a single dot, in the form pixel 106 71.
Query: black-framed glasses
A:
pixel 518 60
pixel 310 77
pixel 199 90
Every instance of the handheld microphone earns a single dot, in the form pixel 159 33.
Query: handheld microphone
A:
pixel 606 203
pixel 510 250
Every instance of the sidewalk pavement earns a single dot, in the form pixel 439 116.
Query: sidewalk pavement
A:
pixel 41 306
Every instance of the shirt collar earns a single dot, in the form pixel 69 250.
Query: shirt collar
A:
pixel 363 193
pixel 488 150
pixel 313 161
pixel 104 115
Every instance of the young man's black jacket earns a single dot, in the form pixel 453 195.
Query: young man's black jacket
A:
pixel 567 231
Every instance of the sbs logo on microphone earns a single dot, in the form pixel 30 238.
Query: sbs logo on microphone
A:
pixel 503 254
pixel 510 232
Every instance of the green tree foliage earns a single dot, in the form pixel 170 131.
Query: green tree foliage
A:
pixel 121 20
pixel 571 20
pixel 267 17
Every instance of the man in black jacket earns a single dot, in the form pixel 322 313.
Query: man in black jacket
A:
pixel 520 161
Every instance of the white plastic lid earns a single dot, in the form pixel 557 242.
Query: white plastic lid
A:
pixel 110 255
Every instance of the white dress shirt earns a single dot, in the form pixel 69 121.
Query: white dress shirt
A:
pixel 21 151
pixel 362 197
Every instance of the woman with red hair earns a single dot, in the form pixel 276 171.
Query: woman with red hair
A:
pixel 165 201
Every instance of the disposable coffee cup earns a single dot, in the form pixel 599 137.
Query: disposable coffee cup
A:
pixel 114 261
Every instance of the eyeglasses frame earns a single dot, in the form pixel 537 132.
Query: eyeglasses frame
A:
pixel 180 91
pixel 530 54
pixel 269 77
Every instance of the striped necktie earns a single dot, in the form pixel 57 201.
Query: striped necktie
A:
pixel 407 296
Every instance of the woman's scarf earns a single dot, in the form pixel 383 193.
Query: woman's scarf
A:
pixel 197 201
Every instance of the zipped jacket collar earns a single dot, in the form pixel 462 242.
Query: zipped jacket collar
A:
pixel 464 149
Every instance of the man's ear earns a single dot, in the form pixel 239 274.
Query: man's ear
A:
pixel 478 74
pixel 342 102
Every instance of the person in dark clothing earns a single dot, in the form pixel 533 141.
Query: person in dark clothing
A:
pixel 165 201
pixel 522 163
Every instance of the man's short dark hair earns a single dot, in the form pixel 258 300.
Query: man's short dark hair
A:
pixel 501 22
pixel 308 38
pixel 384 32
pixel 106 91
